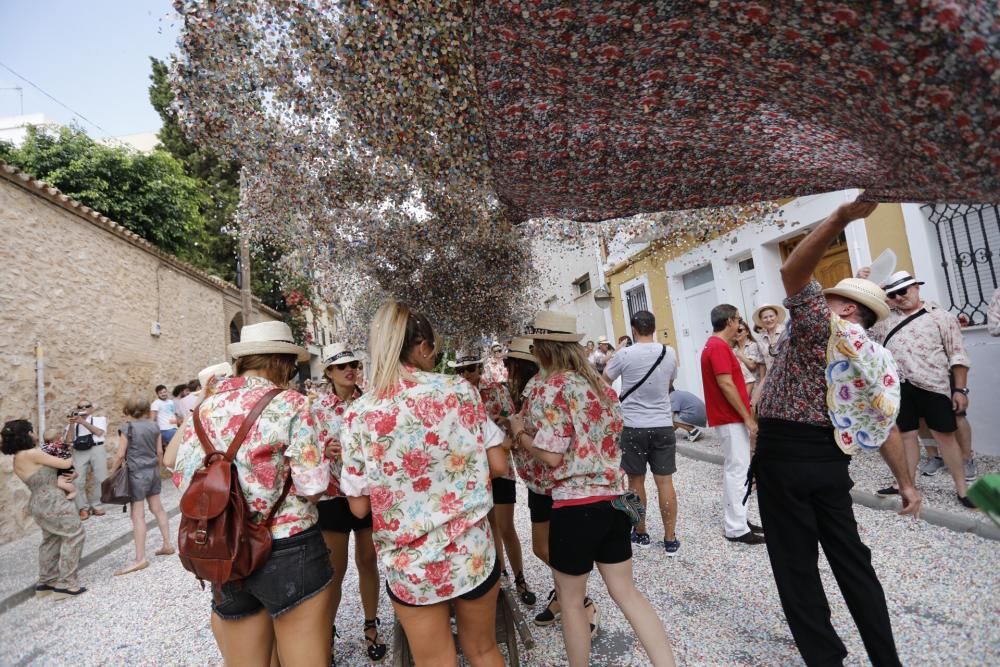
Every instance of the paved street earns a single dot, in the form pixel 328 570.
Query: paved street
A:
pixel 717 600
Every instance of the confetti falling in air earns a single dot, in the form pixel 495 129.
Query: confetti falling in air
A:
pixel 399 147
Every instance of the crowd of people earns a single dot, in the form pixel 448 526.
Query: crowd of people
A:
pixel 422 467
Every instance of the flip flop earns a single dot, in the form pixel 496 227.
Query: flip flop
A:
pixel 62 593
pixel 42 590
pixel 134 568
pixel 166 551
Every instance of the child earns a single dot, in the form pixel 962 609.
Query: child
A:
pixel 56 447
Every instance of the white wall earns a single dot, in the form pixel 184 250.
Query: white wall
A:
pixel 559 264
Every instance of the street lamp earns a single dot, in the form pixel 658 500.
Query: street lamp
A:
pixel 602 297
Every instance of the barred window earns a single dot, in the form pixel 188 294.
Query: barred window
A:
pixel 636 300
pixel 968 238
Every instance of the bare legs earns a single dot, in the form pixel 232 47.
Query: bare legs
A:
pixel 950 452
pixel 247 641
pixel 138 516
pixel 162 522
pixel 507 532
pixel 303 633
pixel 667 497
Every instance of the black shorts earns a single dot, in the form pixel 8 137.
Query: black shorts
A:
pixel 935 409
pixel 655 447
pixel 539 506
pixel 504 491
pixel 476 593
pixel 581 535
pixel 335 516
pixel 298 569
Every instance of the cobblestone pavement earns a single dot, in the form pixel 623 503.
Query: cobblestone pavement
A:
pixel 717 599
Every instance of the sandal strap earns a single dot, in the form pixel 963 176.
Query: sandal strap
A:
pixel 373 624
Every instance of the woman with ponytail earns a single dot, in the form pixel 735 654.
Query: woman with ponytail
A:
pixel 575 433
pixel 418 453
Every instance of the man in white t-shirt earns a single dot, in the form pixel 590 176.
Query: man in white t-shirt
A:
pixel 646 369
pixel 193 398
pixel 164 412
pixel 85 435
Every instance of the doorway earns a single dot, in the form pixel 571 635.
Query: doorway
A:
pixel 699 300
pixel 835 264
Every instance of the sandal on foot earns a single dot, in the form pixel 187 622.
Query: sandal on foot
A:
pixel 376 648
pixel 135 567
pixel 84 515
pixel 97 512
pixel 60 593
pixel 587 602
pixel 523 592
pixel 166 551
pixel 548 616
pixel 43 589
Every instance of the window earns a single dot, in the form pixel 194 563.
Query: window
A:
pixel 698 277
pixel 968 238
pixel 745 265
pixel 582 284
pixel 636 300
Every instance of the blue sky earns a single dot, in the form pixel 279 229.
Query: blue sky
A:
pixel 92 55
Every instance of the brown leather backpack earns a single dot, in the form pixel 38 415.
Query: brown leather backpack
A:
pixel 217 541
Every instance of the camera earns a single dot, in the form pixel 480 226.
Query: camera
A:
pixel 77 413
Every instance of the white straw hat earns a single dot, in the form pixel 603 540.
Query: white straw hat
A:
pixel 555 326
pixel 900 280
pixel 603 339
pixel 520 348
pixel 465 358
pixel 218 371
pixel 864 292
pixel 778 309
pixel 338 353
pixel 267 338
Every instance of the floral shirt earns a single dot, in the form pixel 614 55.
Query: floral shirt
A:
pixel 573 422
pixel 993 315
pixel 420 455
pixel 494 371
pixel 536 475
pixel 768 345
pixel 282 442
pixel 926 348
pixel 496 398
pixel 328 413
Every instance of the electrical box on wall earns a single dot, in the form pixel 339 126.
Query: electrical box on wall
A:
pixel 154 330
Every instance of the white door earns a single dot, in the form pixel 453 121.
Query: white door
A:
pixel 748 290
pixel 698 327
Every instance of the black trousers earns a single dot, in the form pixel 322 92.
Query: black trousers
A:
pixel 804 497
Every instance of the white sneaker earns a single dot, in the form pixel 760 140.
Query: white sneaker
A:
pixel 695 433
pixel 970 470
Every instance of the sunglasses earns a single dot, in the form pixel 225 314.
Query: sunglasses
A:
pixel 897 293
pixel 353 365
pixel 85 406
pixel 469 369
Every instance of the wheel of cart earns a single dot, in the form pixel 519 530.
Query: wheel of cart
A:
pixel 511 624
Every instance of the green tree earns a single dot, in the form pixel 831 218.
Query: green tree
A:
pixel 147 193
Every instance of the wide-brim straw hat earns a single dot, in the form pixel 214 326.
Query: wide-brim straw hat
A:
pixel 603 339
pixel 555 326
pixel 223 370
pixel 338 353
pixel 520 348
pixel 900 280
pixel 466 358
pixel 864 292
pixel 267 338
pixel 777 308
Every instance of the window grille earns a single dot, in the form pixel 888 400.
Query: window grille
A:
pixel 968 238
pixel 636 300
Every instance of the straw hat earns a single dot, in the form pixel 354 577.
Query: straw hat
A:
pixel 900 280
pixel 267 338
pixel 777 308
pixel 864 292
pixel 465 358
pixel 338 353
pixel 520 348
pixel 218 371
pixel 555 326
pixel 603 339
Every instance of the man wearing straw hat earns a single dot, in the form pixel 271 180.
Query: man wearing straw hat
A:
pixel 831 389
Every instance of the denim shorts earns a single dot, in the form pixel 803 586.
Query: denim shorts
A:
pixel 655 447
pixel 298 569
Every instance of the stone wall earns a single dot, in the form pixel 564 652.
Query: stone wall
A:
pixel 89 292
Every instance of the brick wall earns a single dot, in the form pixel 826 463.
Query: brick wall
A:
pixel 89 292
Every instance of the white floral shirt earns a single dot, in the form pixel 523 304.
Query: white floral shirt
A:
pixel 573 422
pixel 420 456
pixel 536 475
pixel 328 413
pixel 496 398
pixel 282 442
pixel 993 315
pixel 494 371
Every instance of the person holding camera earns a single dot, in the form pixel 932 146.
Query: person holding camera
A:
pixel 85 433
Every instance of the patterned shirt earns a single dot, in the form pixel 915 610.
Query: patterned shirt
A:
pixel 573 422
pixel 328 413
pixel 496 398
pixel 494 371
pixel 926 348
pixel 795 389
pixel 282 442
pixel 993 315
pixel 768 344
pixel 536 475
pixel 420 455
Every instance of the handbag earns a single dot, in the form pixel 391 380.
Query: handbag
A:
pixel 116 490
pixel 82 443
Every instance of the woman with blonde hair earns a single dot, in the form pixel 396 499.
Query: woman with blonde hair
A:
pixel 751 358
pixel 418 454
pixel 576 434
pixel 140 443
pixel 285 604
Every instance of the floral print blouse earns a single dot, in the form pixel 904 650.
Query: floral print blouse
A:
pixel 419 453
pixel 328 413
pixel 496 398
pixel 536 475
pixel 572 421
pixel 282 443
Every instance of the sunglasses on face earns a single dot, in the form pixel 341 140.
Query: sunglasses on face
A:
pixel 353 365
pixel 469 369
pixel 897 293
pixel 85 406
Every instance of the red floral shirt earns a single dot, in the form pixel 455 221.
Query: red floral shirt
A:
pixel 496 398
pixel 575 423
pixel 536 475
pixel 328 412
pixel 420 455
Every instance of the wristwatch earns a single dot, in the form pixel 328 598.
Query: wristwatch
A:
pixel 961 390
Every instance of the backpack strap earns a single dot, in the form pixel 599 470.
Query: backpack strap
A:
pixel 895 329
pixel 244 429
pixel 281 499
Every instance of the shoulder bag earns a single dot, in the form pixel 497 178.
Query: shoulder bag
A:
pixel 116 490
pixel 626 394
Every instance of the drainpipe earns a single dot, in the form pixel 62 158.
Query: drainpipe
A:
pixel 609 328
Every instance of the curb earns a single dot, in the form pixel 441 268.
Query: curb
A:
pixel 950 520
pixel 28 593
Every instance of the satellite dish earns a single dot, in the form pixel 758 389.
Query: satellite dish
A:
pixel 602 297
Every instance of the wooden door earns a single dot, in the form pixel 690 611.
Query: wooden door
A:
pixel 835 264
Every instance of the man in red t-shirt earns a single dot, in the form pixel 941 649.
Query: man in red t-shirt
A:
pixel 728 408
